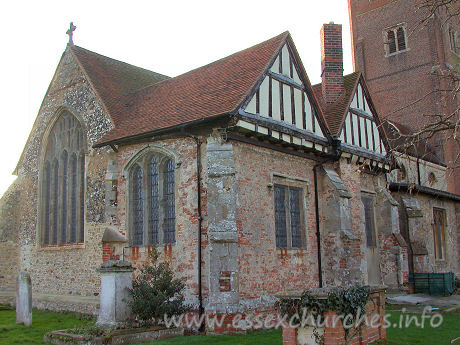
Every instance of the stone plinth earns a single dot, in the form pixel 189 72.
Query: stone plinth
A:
pixel 24 299
pixel 116 279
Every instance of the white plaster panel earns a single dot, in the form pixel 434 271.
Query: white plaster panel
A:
pixel 298 108
pixel 263 98
pixel 251 107
pixel 308 121
pixel 276 66
pixel 286 61
pixel 287 104
pixel 276 100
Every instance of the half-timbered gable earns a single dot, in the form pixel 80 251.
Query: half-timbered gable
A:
pixel 361 127
pixel 282 104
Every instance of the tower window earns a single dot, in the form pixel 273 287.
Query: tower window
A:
pixel 395 40
pixel 453 39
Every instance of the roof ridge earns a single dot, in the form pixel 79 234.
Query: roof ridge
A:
pixel 286 33
pixel 119 61
pixel 217 88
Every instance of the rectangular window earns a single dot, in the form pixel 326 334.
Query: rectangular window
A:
pixel 289 219
pixel 439 228
pixel 368 203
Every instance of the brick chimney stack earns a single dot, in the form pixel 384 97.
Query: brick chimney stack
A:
pixel 331 62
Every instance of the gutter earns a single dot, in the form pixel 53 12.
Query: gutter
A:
pixel 163 130
pixel 407 187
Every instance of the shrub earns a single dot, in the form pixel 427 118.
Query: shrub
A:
pixel 156 292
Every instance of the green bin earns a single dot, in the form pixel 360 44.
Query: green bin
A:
pixel 433 283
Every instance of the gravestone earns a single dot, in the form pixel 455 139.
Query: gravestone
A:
pixel 116 279
pixel 24 299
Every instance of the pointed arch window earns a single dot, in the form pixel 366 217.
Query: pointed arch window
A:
pixel 396 40
pixel 152 201
pixel 62 178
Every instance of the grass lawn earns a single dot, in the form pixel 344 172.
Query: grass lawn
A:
pixel 449 329
pixel 42 322
pixel 442 335
pixel 11 333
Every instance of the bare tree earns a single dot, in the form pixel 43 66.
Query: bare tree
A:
pixel 446 123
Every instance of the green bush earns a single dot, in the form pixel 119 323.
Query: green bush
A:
pixel 156 292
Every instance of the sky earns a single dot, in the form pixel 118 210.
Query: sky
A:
pixel 169 37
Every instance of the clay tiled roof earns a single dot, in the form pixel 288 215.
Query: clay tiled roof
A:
pixel 212 90
pixel 335 113
pixel 398 139
pixel 113 79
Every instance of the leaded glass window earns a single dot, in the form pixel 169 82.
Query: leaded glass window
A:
pixel 73 198
pixel 154 207
pixel 439 228
pixel 55 201
pixel 47 196
pixel 64 200
pixel 280 216
pixel 295 210
pixel 168 195
pixel 62 179
pixel 368 203
pixel 138 207
pixel 152 210
pixel 81 173
pixel 289 219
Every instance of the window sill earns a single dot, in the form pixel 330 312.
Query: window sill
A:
pixel 158 245
pixel 290 249
pixel 60 247
pixel 397 53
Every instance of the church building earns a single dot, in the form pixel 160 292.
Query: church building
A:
pixel 249 180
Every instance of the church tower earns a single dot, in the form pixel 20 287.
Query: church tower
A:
pixel 401 55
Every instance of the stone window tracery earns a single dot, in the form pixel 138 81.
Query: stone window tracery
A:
pixel 62 183
pixel 152 201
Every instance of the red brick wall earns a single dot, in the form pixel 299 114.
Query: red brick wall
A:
pixel 263 269
pixel 336 335
pixel 401 85
pixel 181 254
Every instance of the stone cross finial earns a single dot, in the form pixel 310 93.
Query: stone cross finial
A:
pixel 70 33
